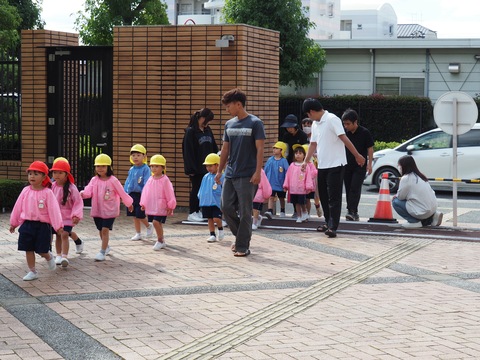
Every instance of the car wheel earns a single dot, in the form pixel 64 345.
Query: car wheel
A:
pixel 393 178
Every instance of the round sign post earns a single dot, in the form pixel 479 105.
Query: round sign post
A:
pixel 455 112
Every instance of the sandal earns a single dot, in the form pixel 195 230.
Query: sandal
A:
pixel 233 248
pixel 331 233
pixel 322 228
pixel 242 254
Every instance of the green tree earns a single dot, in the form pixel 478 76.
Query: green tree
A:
pixel 95 26
pixel 30 13
pixel 300 57
pixel 9 22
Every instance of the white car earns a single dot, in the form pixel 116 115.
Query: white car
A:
pixel 433 154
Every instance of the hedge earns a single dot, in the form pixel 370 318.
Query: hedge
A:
pixel 9 192
pixel 389 118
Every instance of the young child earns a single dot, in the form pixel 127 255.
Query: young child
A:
pixel 158 198
pixel 136 180
pixel 36 211
pixel 276 169
pixel 209 196
pixel 71 207
pixel 73 234
pixel 298 183
pixel 263 193
pixel 313 194
pixel 105 190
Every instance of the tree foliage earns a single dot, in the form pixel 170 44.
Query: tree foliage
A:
pixel 300 57
pixel 15 16
pixel 95 25
pixel 9 22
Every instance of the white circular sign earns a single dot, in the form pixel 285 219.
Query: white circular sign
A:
pixel 466 114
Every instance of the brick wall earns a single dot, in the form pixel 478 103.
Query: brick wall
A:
pixel 163 74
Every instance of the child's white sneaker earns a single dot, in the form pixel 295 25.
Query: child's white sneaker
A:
pixel 282 214
pixel 212 239
pixel 107 250
pixel 150 230
pixel 221 235
pixel 31 276
pixel 159 246
pixel 259 220
pixel 58 259
pixel 51 262
pixel 64 262
pixel 79 248
pixel 268 214
pixel 137 236
pixel 100 257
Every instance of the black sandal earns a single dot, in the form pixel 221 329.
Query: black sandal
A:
pixel 322 228
pixel 331 233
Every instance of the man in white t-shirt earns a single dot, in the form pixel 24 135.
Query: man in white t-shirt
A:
pixel 329 141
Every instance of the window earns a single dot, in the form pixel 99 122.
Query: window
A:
pixel 400 86
pixel 470 138
pixel 330 9
pixel 346 25
pixel 435 140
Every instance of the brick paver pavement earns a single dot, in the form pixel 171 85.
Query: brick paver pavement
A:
pixel 299 295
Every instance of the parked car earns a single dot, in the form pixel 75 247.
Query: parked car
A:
pixel 433 154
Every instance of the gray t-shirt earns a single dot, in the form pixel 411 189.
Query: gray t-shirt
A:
pixel 241 136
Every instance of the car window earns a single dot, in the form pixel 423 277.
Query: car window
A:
pixel 435 140
pixel 470 138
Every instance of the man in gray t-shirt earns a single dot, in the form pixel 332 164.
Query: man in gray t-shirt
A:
pixel 242 159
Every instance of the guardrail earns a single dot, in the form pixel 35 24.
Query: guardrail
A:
pixel 468 181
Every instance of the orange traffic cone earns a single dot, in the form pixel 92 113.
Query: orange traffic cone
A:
pixel 383 212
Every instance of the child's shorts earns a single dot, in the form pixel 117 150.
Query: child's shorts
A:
pixel 160 219
pixel 279 194
pixel 311 195
pixel 34 236
pixel 211 212
pixel 258 206
pixel 137 209
pixel 68 229
pixel 103 223
pixel 300 199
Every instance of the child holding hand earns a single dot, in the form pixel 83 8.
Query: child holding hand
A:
pixel 263 193
pixel 158 198
pixel 209 196
pixel 36 211
pixel 71 208
pixel 276 170
pixel 298 183
pixel 105 190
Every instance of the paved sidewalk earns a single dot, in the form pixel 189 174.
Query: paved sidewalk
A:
pixel 299 295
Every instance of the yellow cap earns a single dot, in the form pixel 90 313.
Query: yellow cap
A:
pixel 103 159
pixel 282 146
pixel 212 159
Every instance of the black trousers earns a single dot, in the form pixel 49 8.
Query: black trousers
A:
pixel 353 179
pixel 330 186
pixel 194 203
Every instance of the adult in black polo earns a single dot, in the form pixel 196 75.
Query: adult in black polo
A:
pixel 354 173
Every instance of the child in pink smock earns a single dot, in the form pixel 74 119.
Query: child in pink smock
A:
pixel 71 207
pixel 105 190
pixel 263 193
pixel 158 198
pixel 36 211
pixel 299 183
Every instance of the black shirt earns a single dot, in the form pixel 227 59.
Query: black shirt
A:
pixel 362 140
pixel 299 138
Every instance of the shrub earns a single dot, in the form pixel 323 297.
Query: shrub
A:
pixel 380 145
pixel 9 192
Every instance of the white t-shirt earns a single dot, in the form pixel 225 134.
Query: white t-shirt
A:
pixel 330 149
